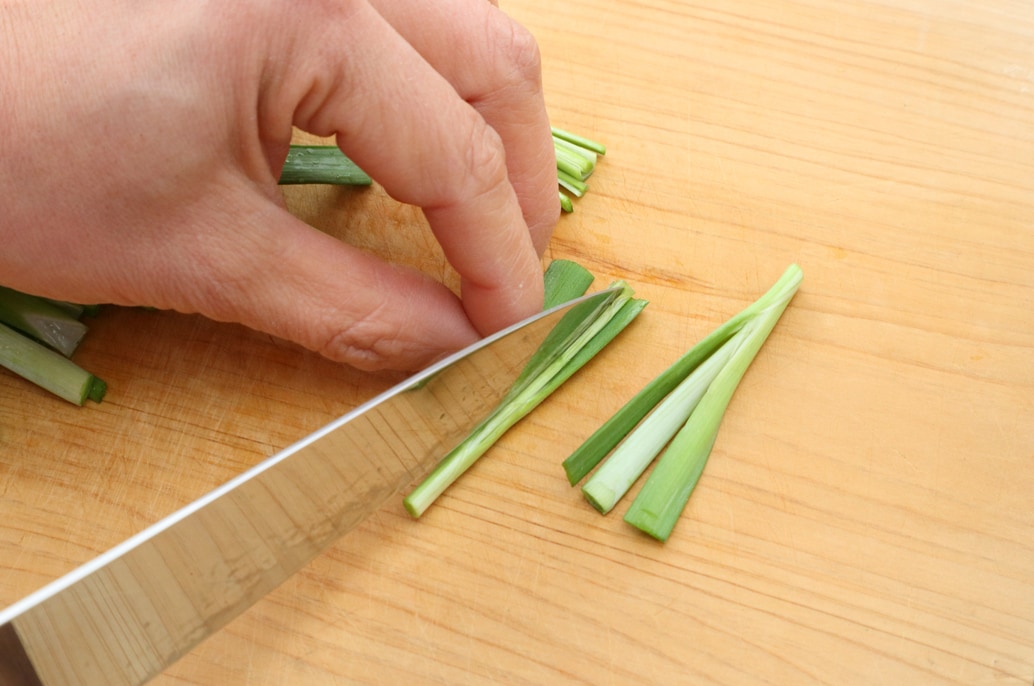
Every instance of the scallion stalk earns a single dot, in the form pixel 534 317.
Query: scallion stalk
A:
pixel 47 368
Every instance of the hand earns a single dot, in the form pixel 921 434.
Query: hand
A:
pixel 142 145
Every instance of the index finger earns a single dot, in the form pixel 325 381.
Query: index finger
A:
pixel 406 125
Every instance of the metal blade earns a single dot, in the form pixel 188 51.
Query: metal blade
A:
pixel 129 613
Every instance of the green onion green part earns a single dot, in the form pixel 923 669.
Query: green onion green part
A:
pixel 47 368
pixel 41 320
pixel 321 164
pixel 660 502
pixel 565 280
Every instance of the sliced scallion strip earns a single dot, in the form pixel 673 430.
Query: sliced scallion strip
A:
pixel 625 465
pixel 565 203
pixel 589 454
pixel 580 141
pixel 575 187
pixel 660 502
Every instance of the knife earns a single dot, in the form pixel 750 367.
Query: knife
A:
pixel 134 610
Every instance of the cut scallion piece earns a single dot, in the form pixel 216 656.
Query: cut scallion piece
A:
pixel 585 458
pixel 565 202
pixel 48 369
pixel 626 464
pixel 326 164
pixel 575 187
pixel 660 502
pixel 578 337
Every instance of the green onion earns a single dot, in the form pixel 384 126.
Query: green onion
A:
pixel 321 164
pixel 579 141
pixel 565 280
pixel 576 339
pixel 565 203
pixel 660 502
pixel 325 164
pixel 572 163
pixel 42 320
pixel 575 187
pixel 585 458
pixel 48 369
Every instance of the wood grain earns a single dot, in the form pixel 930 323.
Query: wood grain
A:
pixel 865 517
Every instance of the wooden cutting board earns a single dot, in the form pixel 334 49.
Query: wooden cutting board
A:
pixel 866 515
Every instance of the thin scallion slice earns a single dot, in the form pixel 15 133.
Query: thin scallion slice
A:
pixel 47 368
pixel 580 141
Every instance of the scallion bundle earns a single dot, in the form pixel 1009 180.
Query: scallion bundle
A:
pixel 678 415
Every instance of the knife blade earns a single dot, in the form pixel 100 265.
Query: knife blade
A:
pixel 129 613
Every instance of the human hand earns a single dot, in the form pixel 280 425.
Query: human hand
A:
pixel 142 145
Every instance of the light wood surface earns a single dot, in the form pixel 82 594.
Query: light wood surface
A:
pixel 866 515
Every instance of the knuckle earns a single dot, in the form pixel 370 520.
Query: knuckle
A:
pixel 486 153
pixel 521 52
pixel 368 344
